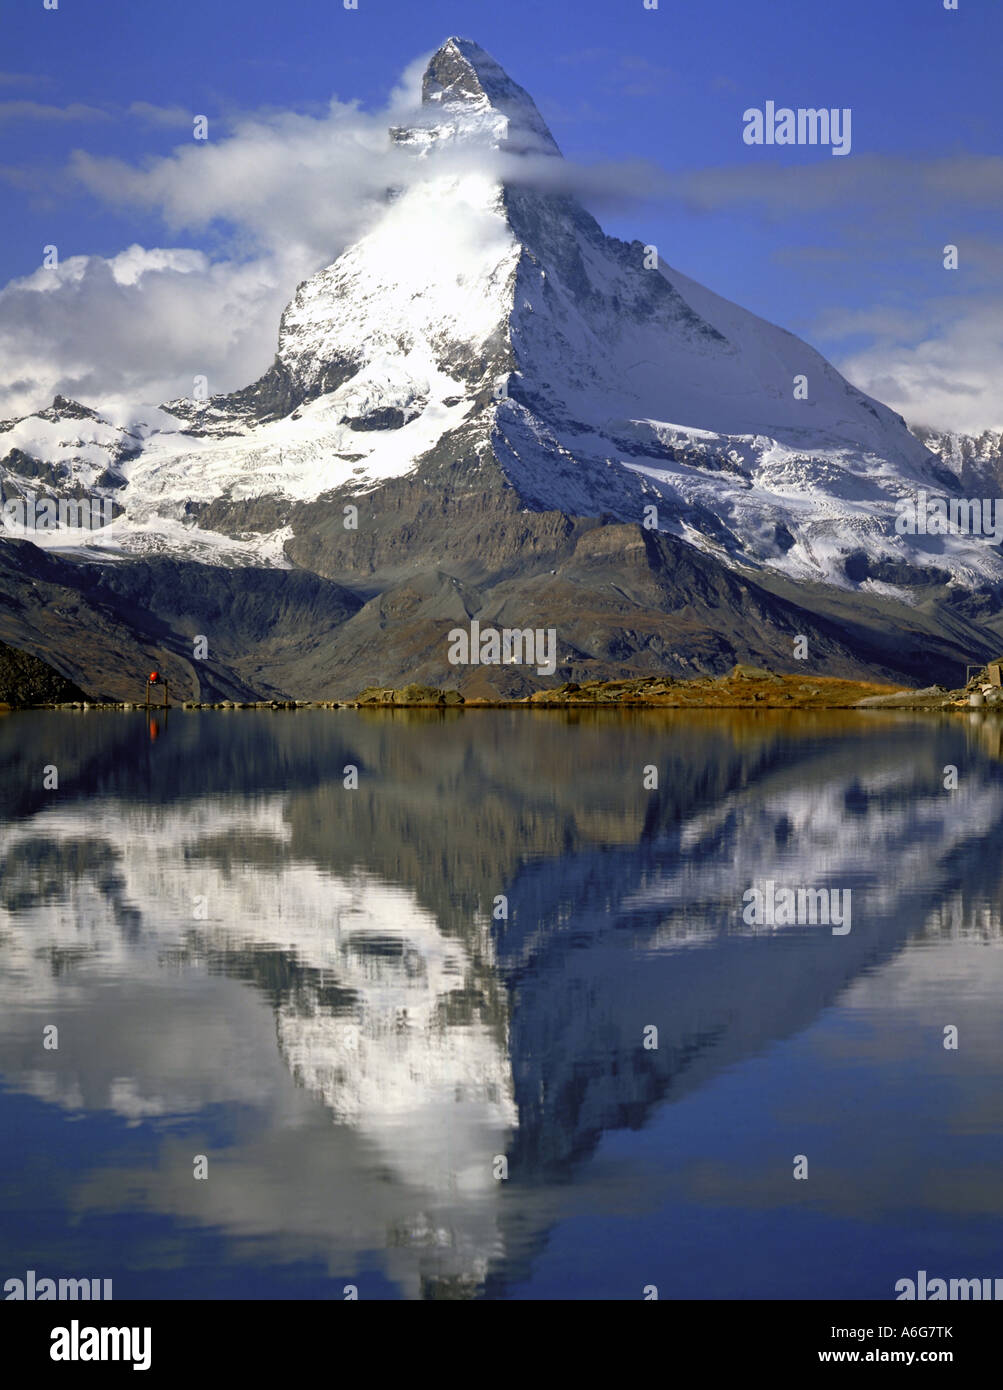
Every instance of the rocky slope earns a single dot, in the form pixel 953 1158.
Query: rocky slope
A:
pixel 25 680
pixel 976 459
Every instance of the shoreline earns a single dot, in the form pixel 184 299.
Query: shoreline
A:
pixel 474 705
pixel 743 688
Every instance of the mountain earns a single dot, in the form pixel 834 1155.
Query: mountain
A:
pixel 365 965
pixel 539 426
pixel 976 459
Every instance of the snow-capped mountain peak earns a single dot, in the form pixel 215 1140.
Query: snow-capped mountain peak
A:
pixel 463 83
pixel 596 378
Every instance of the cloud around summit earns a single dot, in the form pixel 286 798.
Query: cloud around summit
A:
pixel 273 195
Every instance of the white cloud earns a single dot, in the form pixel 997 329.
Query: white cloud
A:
pixel 172 116
pixel 131 331
pixel 890 185
pixel 281 194
pixel 39 111
pixel 949 377
pixel 293 185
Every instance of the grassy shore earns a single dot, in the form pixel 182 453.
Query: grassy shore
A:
pixel 743 687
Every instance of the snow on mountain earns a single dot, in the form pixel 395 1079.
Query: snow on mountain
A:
pixel 422 1092
pixel 600 378
pixel 347 980
pixel 74 440
pixel 977 459
pixel 430 1101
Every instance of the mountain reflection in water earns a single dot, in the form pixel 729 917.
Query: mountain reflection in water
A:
pixel 317 988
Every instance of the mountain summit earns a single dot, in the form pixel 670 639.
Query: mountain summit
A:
pixel 537 421
pixel 600 378
pixel 463 82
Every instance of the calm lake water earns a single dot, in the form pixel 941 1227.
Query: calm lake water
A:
pixel 316 988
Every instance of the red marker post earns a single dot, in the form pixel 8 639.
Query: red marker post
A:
pixel 154 679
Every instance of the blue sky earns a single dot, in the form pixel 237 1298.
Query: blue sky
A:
pixel 847 252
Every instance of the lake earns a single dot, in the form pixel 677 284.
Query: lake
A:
pixel 444 1004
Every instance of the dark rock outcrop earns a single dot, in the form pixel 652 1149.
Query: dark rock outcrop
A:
pixel 26 680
